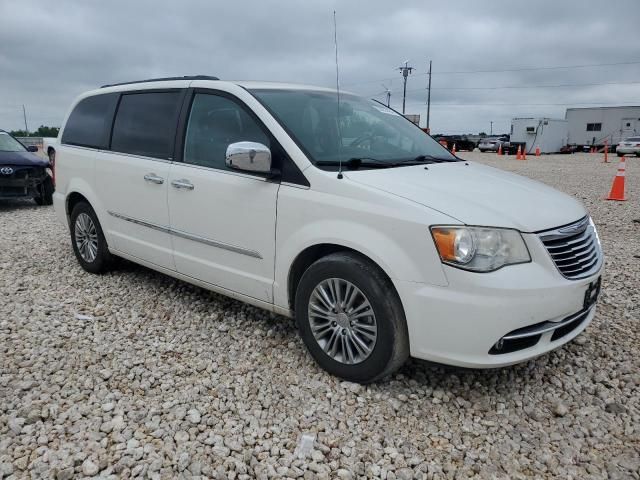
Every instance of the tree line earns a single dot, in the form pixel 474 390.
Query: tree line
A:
pixel 42 131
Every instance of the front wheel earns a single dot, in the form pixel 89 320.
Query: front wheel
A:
pixel 351 319
pixel 45 193
pixel 88 240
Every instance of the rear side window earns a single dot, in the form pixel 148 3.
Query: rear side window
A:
pixel 89 122
pixel 145 124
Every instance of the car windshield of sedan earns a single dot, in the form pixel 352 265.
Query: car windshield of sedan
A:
pixel 633 139
pixel 10 144
pixel 363 133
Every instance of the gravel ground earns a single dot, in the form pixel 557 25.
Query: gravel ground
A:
pixel 136 374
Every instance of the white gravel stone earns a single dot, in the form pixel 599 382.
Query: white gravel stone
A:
pixel 89 468
pixel 165 380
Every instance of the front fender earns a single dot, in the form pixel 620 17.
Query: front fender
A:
pixel 401 247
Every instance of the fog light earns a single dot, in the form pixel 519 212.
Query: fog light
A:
pixel 499 344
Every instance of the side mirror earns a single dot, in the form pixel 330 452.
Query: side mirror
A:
pixel 32 148
pixel 249 157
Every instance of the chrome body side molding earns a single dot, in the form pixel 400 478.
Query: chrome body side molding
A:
pixel 188 236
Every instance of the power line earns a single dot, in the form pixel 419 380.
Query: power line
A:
pixel 627 103
pixel 517 69
pixel 504 87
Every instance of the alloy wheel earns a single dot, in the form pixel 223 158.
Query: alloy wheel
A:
pixel 342 321
pixel 86 237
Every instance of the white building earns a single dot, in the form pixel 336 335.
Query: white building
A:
pixel 550 134
pixel 592 126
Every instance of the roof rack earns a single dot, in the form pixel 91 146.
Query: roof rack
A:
pixel 187 77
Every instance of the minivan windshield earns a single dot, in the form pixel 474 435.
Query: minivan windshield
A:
pixel 363 134
pixel 10 144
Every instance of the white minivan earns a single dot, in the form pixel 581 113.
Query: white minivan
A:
pixel 331 209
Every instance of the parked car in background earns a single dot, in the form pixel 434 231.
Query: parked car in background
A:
pixel 460 141
pixel 386 245
pixel 492 144
pixel 629 146
pixel 23 173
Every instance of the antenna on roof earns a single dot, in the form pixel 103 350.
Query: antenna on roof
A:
pixel 335 41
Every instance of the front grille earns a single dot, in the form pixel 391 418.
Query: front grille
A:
pixel 575 249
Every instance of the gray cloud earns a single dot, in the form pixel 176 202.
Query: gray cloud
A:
pixel 52 52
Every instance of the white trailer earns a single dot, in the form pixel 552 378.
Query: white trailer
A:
pixel 550 134
pixel 592 126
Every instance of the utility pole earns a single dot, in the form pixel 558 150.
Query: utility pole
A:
pixel 429 99
pixel 491 131
pixel 24 114
pixel 406 70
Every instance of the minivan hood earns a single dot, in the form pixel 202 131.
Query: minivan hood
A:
pixel 22 159
pixel 476 194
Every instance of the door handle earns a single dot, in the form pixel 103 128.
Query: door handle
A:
pixel 185 184
pixel 153 178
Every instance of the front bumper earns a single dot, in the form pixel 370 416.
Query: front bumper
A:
pixel 23 182
pixel 461 324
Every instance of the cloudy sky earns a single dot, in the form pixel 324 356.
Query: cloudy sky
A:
pixel 51 51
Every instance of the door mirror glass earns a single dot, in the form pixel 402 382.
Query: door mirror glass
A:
pixel 249 157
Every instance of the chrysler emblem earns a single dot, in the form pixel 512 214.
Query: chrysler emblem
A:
pixel 6 170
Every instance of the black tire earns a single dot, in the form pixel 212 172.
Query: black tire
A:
pixel 620 154
pixel 391 347
pixel 103 259
pixel 45 196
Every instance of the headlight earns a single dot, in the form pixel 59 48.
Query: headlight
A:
pixel 480 249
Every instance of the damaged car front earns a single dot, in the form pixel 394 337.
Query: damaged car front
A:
pixel 23 174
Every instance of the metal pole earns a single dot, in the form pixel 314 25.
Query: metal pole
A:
pixel 491 131
pixel 24 113
pixel 404 93
pixel 406 70
pixel 429 99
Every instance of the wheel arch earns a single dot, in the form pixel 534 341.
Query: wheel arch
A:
pixel 313 253
pixel 72 200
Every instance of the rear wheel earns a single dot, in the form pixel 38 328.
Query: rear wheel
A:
pixel 351 319
pixel 620 154
pixel 88 240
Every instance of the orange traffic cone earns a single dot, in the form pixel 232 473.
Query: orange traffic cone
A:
pixel 519 153
pixel 537 151
pixel 617 188
pixel 524 153
pixel 453 150
pixel 500 150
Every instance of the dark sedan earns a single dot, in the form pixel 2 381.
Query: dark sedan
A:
pixel 23 173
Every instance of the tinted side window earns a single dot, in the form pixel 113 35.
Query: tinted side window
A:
pixel 214 123
pixel 146 124
pixel 89 122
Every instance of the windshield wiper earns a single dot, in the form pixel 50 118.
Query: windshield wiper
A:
pixel 420 159
pixel 356 162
